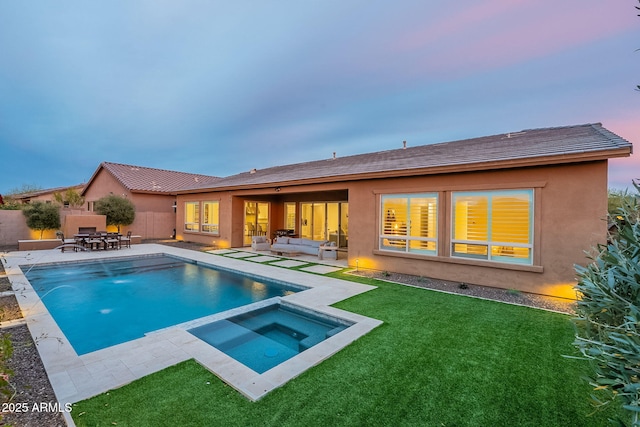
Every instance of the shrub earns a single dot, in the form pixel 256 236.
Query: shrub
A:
pixel 608 312
pixel 70 197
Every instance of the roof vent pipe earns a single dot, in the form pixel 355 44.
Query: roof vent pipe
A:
pixel 334 154
pixel 404 145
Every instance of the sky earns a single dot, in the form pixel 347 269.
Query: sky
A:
pixel 220 87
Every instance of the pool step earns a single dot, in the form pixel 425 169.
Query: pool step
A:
pixel 223 334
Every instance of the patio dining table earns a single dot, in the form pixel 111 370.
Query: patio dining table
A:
pixel 96 241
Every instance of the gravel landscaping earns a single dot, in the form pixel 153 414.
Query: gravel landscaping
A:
pixel 33 402
pixel 510 296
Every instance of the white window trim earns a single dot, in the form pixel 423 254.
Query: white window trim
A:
pixel 488 243
pixel 406 238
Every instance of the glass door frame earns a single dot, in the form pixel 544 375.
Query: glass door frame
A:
pixel 330 228
pixel 256 220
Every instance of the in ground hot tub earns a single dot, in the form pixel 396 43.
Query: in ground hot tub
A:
pixel 265 337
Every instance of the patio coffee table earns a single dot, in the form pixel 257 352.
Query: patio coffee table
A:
pixel 288 253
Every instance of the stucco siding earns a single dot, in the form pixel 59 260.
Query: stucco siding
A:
pixel 570 211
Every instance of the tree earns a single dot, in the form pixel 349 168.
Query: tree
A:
pixel 24 188
pixel 119 210
pixel 9 203
pixel 616 200
pixel 42 216
pixel 71 197
pixel 608 314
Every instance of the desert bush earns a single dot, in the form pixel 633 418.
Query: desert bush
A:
pixel 608 312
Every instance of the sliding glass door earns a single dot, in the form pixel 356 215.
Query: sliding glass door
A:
pixel 256 220
pixel 325 221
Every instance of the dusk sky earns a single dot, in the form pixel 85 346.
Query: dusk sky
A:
pixel 219 88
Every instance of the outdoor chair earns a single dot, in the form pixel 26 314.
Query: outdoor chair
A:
pixel 65 244
pixel 111 240
pixel 260 243
pixel 80 241
pixel 95 239
pixel 126 240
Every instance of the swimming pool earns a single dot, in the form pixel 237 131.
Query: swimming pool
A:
pixel 101 303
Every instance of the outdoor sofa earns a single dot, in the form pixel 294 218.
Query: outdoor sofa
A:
pixel 295 245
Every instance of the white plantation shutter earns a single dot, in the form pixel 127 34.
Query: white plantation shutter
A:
pixel 495 225
pixel 409 223
pixel 423 216
pixel 510 218
pixel 471 213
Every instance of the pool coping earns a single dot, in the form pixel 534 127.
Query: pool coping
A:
pixel 76 378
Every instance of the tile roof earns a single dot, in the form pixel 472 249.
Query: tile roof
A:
pixel 548 145
pixel 143 179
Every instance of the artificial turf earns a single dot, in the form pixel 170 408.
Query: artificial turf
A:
pixel 438 360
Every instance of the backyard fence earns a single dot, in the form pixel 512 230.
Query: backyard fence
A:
pixel 147 225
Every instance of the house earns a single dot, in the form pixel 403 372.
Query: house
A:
pixel 14 227
pixel 152 192
pixel 47 195
pixel 514 210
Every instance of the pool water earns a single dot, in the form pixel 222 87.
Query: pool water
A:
pixel 101 303
pixel 266 337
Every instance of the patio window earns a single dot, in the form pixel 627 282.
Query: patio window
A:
pixel 290 216
pixel 409 223
pixel 493 225
pixel 210 217
pixel 192 216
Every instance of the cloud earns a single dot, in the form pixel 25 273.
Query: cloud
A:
pixel 209 86
pixel 491 34
pixel 623 170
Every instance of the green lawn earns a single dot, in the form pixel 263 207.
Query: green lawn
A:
pixel 438 360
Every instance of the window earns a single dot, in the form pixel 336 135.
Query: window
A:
pixel 290 216
pixel 409 223
pixel 192 216
pixel 210 217
pixel 493 225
